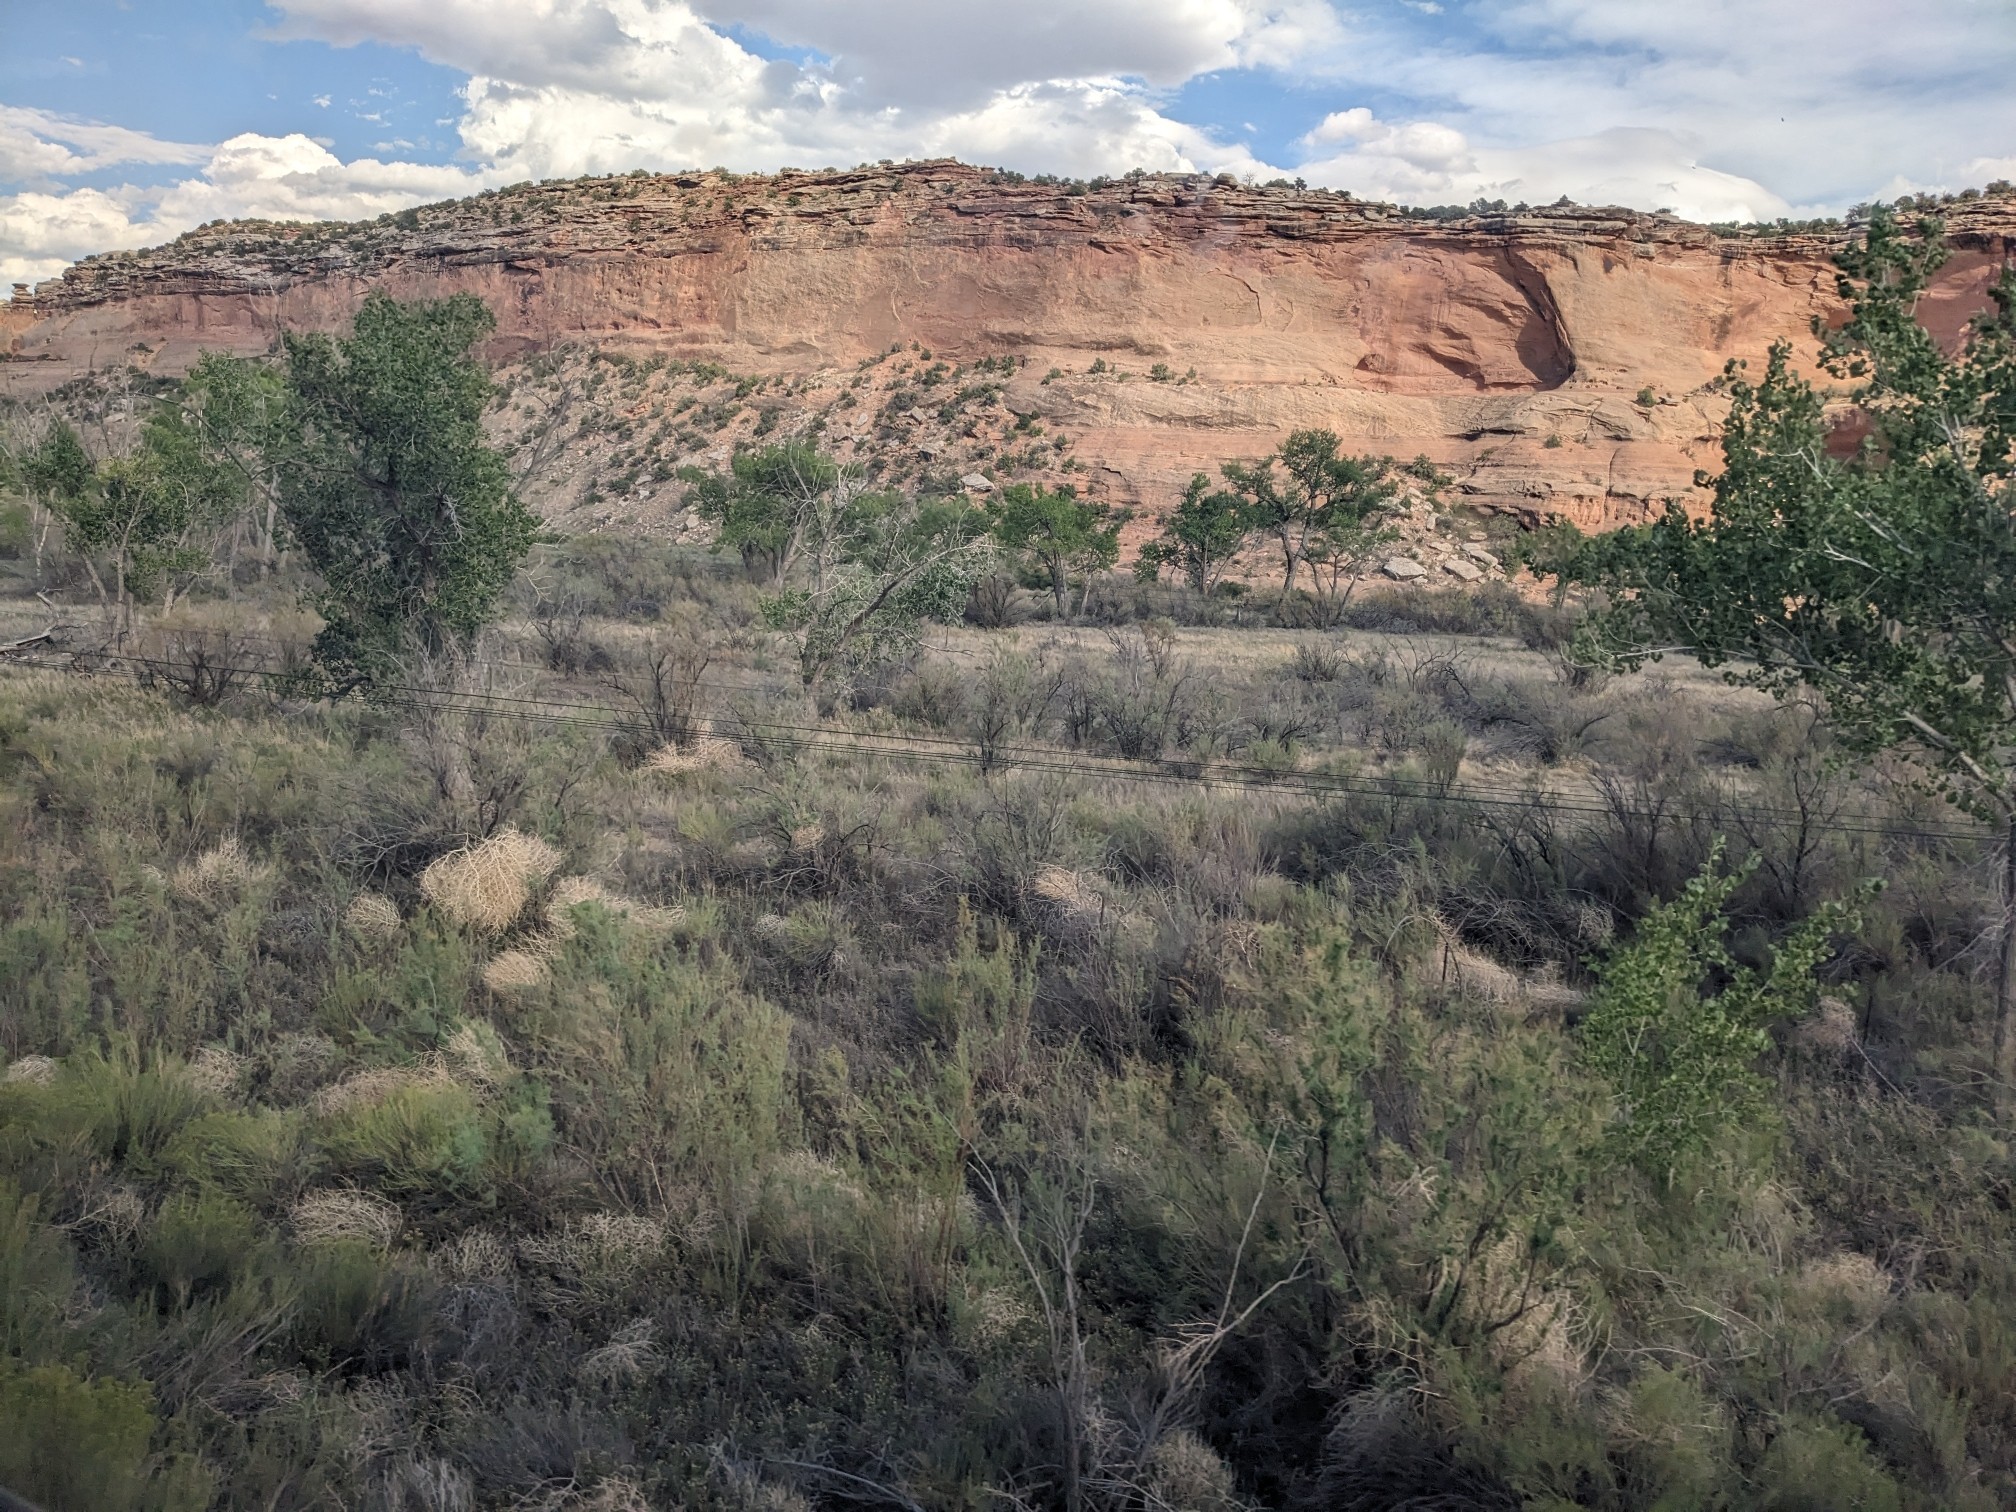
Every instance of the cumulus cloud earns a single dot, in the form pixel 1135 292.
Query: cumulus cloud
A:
pixel 1822 106
pixel 274 178
pixel 40 145
pixel 1423 162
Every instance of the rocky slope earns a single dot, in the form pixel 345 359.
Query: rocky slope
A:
pixel 1558 360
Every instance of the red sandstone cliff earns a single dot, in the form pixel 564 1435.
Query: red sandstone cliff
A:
pixel 1510 349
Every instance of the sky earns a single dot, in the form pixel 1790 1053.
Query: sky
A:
pixel 126 122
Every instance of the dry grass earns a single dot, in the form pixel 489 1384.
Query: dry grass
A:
pixel 475 1053
pixel 377 1084
pixel 329 1217
pixel 473 1255
pixel 569 893
pixel 626 1357
pixel 514 971
pixel 1831 1030
pixel 1537 1348
pixel 601 1244
pixel 1849 1281
pixel 217 874
pixel 37 1069
pixel 1072 893
pixel 216 1070
pixel 372 916
pixel 486 886
pixel 706 754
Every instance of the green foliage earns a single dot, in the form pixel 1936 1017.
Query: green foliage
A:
pixel 197 1244
pixel 1323 509
pixel 404 511
pixel 252 1156
pixel 142 511
pixel 421 1137
pixel 765 505
pixel 1200 538
pixel 37 1277
pixel 858 572
pixel 1681 1056
pixel 1885 581
pixel 1057 534
pixel 355 1308
pixel 76 1445
pixel 1819 1465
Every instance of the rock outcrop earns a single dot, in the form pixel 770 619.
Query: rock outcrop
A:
pixel 1556 361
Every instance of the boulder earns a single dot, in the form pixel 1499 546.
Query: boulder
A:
pixel 977 483
pixel 1403 569
pixel 1480 556
pixel 1469 572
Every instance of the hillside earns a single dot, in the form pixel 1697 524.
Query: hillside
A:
pixel 1554 361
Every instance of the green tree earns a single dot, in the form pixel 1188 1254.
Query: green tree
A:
pixel 1676 1027
pixel 386 482
pixel 238 411
pixel 143 513
pixel 1058 535
pixel 858 572
pixel 1320 508
pixel 769 505
pixel 1886 582
pixel 1201 537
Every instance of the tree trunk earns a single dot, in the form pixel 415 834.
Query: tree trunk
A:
pixel 2004 1066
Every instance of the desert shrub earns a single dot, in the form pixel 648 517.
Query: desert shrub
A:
pixel 356 1310
pixel 419 1136
pixel 78 1445
pixel 196 1244
pixel 1150 697
pixel 663 1072
pixel 663 689
pixel 733 1172
pixel 1487 609
pixel 1816 1463
pixel 254 1156
pixel 37 1275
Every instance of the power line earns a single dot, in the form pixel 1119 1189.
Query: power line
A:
pixel 947 751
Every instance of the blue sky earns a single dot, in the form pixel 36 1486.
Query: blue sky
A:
pixel 126 121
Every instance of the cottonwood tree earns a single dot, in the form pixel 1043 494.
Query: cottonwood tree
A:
pixel 237 411
pixel 143 514
pixel 1200 539
pixel 771 505
pixel 1058 535
pixel 858 572
pixel 1322 507
pixel 1885 581
pixel 384 479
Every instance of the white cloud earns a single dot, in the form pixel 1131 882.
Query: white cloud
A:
pixel 38 145
pixel 1423 162
pixel 274 178
pixel 1822 107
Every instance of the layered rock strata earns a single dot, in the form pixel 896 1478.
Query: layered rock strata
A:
pixel 1559 361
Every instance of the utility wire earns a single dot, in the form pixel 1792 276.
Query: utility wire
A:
pixel 947 751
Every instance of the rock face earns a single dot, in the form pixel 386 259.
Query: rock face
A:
pixel 1558 361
